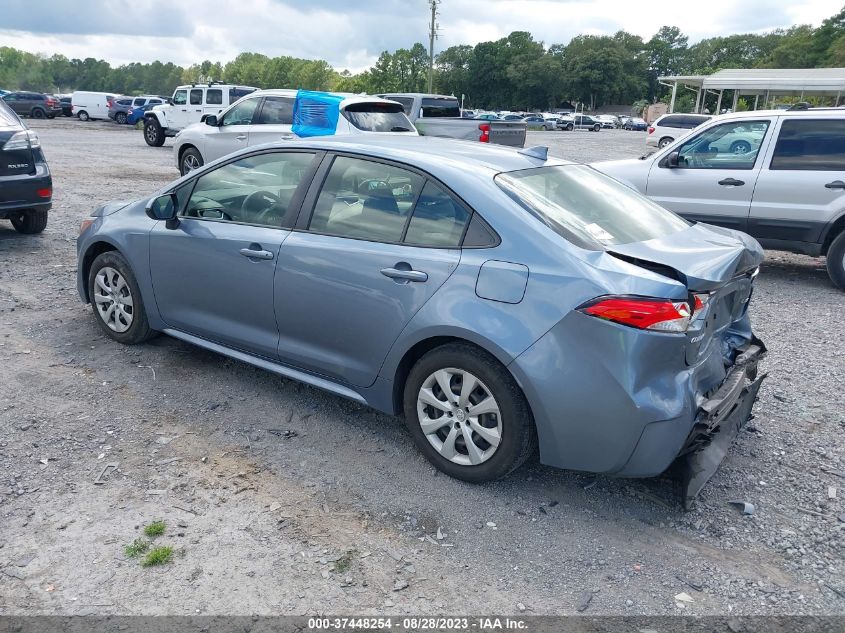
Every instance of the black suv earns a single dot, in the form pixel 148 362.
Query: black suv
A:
pixel 26 187
pixel 33 104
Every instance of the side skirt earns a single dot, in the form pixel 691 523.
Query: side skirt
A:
pixel 263 363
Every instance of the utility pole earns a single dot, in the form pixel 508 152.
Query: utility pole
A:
pixel 432 35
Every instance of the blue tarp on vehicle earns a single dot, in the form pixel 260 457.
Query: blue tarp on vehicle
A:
pixel 315 113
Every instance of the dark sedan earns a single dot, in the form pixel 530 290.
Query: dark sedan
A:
pixel 26 187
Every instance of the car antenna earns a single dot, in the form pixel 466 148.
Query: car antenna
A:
pixel 538 151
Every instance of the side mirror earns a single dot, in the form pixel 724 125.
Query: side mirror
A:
pixel 672 160
pixel 211 120
pixel 164 208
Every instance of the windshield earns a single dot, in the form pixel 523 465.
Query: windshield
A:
pixel 588 208
pixel 441 108
pixel 378 117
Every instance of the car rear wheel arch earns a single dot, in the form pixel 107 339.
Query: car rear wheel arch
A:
pixel 423 347
pixel 94 250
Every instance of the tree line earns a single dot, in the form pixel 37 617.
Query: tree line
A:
pixel 516 72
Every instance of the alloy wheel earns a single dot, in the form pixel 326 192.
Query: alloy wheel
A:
pixel 459 416
pixel 113 299
pixel 190 162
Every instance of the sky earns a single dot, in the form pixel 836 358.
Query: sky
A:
pixel 350 34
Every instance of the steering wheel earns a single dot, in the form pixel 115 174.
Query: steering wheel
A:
pixel 259 203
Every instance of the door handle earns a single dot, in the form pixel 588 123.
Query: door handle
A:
pixel 836 184
pixel 401 274
pixel 197 110
pixel 286 137
pixel 732 182
pixel 256 252
pixel 242 137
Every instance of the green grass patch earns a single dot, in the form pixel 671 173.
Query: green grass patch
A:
pixel 160 555
pixel 136 547
pixel 156 528
pixel 342 564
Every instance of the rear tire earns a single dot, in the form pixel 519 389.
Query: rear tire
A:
pixel 113 269
pixel 83 116
pixel 120 117
pixel 513 423
pixel 570 127
pixel 30 222
pixel 596 127
pixel 37 113
pixel 153 134
pixel 665 141
pixel 836 261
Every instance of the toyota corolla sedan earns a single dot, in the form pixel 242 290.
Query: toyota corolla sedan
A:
pixel 497 299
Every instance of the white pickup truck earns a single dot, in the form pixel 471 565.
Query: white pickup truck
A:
pixel 190 103
pixel 440 115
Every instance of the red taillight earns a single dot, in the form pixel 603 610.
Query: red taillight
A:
pixel 109 103
pixel 651 129
pixel 643 313
pixel 485 132
pixel 46 192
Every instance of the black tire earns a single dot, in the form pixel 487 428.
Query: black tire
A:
pixel 30 222
pixel 120 117
pixel 37 113
pixel 189 153
pixel 518 437
pixel 83 115
pixel 665 141
pixel 139 331
pixel 596 127
pixel 153 134
pixel 570 127
pixel 740 147
pixel 836 261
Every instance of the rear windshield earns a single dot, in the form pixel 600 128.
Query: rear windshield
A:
pixel 378 117
pixel 588 208
pixel 441 108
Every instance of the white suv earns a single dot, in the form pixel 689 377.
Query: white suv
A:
pixel 189 104
pixel 265 116
pixel 671 127
pixel 777 175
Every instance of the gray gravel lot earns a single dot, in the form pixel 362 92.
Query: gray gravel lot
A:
pixel 279 498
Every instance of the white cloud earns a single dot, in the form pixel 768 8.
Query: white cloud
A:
pixel 351 34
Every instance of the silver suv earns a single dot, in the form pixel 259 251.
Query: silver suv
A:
pixel 777 175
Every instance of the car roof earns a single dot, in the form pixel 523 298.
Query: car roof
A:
pixel 432 154
pixel 348 97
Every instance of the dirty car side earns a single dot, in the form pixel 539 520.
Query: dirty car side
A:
pixel 605 397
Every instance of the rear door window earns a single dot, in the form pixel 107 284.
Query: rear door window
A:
pixel 196 96
pixel 138 102
pixel 276 111
pixel 365 200
pixel 810 145
pixel 438 219
pixel 378 117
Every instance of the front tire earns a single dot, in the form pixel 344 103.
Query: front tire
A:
pixel 570 127
pixel 740 147
pixel 191 160
pixel 467 415
pixel 153 134
pixel 30 222
pixel 836 261
pixel 83 116
pixel 596 127
pixel 116 300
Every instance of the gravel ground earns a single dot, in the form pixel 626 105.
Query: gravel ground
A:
pixel 281 499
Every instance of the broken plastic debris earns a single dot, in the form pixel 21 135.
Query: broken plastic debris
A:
pixel 744 506
pixel 683 597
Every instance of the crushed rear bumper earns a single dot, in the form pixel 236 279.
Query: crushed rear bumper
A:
pixel 719 420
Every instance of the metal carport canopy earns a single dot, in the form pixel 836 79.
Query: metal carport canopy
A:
pixel 813 80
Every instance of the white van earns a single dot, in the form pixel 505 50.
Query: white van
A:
pixel 91 105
